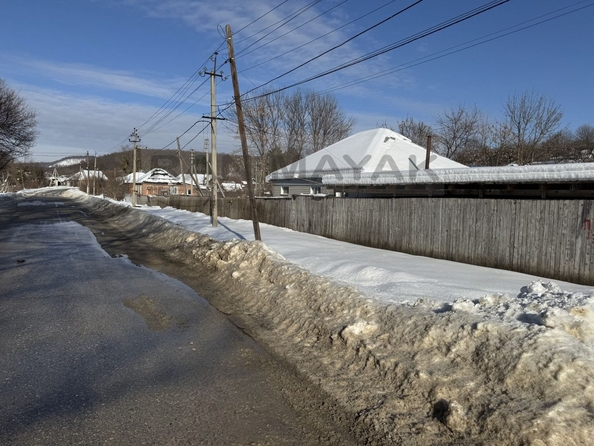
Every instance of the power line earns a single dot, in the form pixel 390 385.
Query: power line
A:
pixel 294 29
pixel 359 34
pixel 262 16
pixel 320 37
pixel 178 94
pixel 290 18
pixel 154 126
pixel 466 45
pixel 447 24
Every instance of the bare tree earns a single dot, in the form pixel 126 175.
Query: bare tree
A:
pixel 263 121
pixel 327 122
pixel 529 118
pixel 585 134
pixel 584 141
pixel 559 147
pixel 282 128
pixel 295 126
pixel 416 131
pixel 460 129
pixel 17 126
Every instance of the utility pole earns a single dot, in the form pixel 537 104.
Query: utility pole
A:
pixel 134 139
pixel 95 174
pixel 207 162
pixel 213 134
pixel 88 176
pixel 246 157
pixel 181 166
pixel 192 172
pixel 428 155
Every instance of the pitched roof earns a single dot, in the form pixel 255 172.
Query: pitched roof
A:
pixel 82 175
pixel 364 152
pixel 156 175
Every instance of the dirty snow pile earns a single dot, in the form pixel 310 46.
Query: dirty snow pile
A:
pixel 493 369
pixel 540 303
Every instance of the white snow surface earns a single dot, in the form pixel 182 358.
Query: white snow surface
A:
pixel 388 275
pixel 68 162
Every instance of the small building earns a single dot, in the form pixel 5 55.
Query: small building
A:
pixel 159 182
pixel 80 178
pixel 365 153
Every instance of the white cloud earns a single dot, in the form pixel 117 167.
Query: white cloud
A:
pixel 76 74
pixel 71 125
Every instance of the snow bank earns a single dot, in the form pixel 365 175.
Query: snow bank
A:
pixel 495 370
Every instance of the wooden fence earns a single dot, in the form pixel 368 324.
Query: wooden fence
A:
pixel 547 238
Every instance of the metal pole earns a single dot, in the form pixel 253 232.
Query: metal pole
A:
pixel 213 138
pixel 134 140
pixel 95 174
pixel 181 167
pixel 88 176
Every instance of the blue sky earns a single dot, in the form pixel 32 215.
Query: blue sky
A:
pixel 95 69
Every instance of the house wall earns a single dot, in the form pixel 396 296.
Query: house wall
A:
pixel 298 189
pixel 161 189
pixel 546 238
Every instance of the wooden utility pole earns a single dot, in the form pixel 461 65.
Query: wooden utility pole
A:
pixel 88 176
pixel 193 174
pixel 428 156
pixel 246 157
pixel 213 135
pixel 134 139
pixel 181 166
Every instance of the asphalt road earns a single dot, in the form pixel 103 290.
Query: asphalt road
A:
pixel 97 350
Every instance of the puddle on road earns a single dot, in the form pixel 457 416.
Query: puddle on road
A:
pixel 155 318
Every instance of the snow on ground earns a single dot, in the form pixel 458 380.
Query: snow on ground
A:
pixel 403 278
pixel 484 357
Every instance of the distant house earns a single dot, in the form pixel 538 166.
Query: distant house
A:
pixel 190 183
pixel 159 182
pixel 367 153
pixel 80 178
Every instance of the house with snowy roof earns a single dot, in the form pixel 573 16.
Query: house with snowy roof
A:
pixel 159 182
pixel 365 153
pixel 81 176
pixel 383 163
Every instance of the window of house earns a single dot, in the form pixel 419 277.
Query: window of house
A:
pixel 284 190
pixel 189 192
pixel 315 190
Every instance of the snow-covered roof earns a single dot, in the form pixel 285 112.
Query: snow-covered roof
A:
pixel 547 173
pixel 230 186
pixel 156 175
pixel 82 175
pixel 364 153
pixel 188 178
